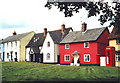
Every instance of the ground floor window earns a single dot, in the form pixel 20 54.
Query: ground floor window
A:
pixel 117 55
pixel 67 57
pixel 86 57
pixel 7 55
pixel 48 56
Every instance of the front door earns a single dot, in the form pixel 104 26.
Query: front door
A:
pixel 31 57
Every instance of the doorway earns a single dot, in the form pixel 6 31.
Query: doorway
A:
pixel 75 60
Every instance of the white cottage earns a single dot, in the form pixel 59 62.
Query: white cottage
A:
pixel 14 46
pixel 34 47
pixel 50 49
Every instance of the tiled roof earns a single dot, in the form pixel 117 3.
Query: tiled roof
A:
pixel 37 40
pixel 115 34
pixel 15 37
pixel 57 35
pixel 78 36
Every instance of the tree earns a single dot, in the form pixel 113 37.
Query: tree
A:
pixel 106 11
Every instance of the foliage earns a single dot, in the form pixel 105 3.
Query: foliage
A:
pixel 28 71
pixel 106 11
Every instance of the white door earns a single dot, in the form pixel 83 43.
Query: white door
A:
pixel 102 61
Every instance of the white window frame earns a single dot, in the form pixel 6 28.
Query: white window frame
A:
pixel 48 44
pixel 85 45
pixel 67 47
pixel 85 58
pixel 65 57
pixel 47 56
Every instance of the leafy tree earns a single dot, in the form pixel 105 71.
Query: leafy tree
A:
pixel 106 11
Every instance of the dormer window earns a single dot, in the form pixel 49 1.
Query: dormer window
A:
pixel 86 45
pixel 48 44
pixel 67 46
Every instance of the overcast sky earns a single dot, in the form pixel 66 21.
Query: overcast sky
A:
pixel 31 15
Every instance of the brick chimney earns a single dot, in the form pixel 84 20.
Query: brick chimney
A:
pixel 63 28
pixel 14 33
pixel 45 32
pixel 84 27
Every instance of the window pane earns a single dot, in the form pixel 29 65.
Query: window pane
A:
pixel 48 44
pixel 86 58
pixel 86 45
pixel 66 46
pixel 48 56
pixel 67 57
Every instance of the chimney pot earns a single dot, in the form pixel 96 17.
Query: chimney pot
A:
pixel 84 27
pixel 45 32
pixel 14 33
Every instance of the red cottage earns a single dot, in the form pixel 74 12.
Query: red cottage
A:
pixel 84 47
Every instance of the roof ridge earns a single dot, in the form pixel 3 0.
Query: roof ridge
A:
pixel 39 33
pixel 59 29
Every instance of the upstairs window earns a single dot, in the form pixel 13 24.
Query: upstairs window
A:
pixel 118 41
pixel 48 44
pixel 67 46
pixel 86 45
pixel 7 45
pixel 86 58
pixel 67 57
pixel 118 56
pixel 48 56
pixel 11 44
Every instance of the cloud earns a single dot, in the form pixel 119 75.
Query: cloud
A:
pixel 9 25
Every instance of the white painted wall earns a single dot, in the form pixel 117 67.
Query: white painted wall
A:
pixel 49 50
pixel 102 61
pixel 27 54
pixel 14 48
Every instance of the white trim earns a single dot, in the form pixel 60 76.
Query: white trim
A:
pixel 85 45
pixel 66 46
pixel 65 57
pixel 84 57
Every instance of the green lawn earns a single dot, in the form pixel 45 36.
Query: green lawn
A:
pixel 26 71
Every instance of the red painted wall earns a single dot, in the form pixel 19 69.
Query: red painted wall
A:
pixel 95 48
pixel 80 48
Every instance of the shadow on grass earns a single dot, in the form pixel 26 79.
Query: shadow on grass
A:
pixel 56 80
